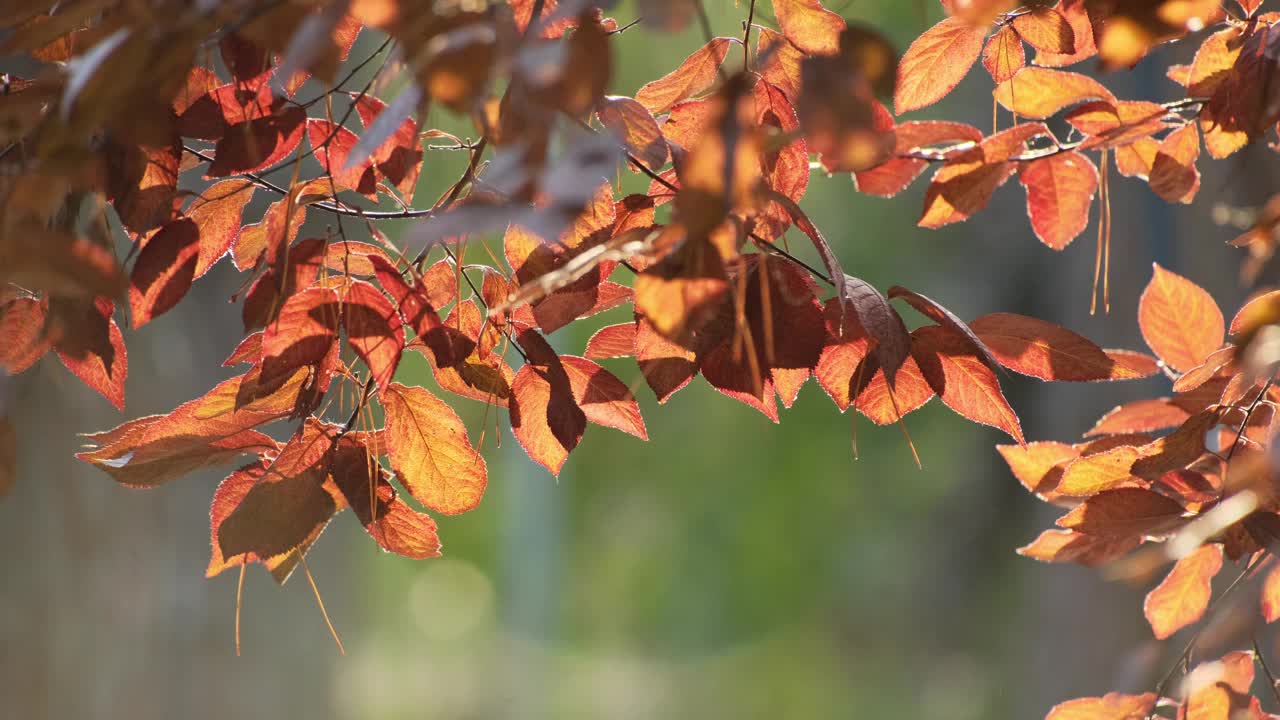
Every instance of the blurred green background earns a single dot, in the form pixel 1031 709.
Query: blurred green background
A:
pixel 728 568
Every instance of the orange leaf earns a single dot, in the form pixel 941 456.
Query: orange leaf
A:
pixel 276 515
pixel 961 379
pixel 1112 706
pixel 1047 30
pixel 1140 416
pixel 964 185
pixel 22 339
pixel 164 270
pixel 545 417
pixel 1094 473
pixel 1179 320
pixel 1183 596
pixel 935 63
pixel 216 213
pixel 1077 14
pixel 1038 93
pixel 303 334
pixel 332 145
pixel 399 158
pixel 1067 546
pixel 1043 350
pixel 1125 512
pixel 694 75
pixel 778 62
pixel 633 125
pixel 374 330
pixel 392 524
pixel 604 399
pixel 893 176
pixel 105 363
pixel 1173 175
pixel 1038 465
pixel 667 367
pixel 1004 55
pixel 430 452
pixel 612 341
pixel 809 26
pixel 1060 190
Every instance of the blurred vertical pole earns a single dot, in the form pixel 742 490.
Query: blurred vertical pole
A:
pixel 532 518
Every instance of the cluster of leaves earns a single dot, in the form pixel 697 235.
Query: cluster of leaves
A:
pixel 152 126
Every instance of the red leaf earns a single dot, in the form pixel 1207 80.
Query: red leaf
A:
pixel 1038 465
pixel 694 75
pixel 1179 320
pixel 276 515
pixel 1060 190
pixel 399 158
pixel 1270 599
pixel 809 26
pixel 303 334
pixel 667 367
pixel 935 63
pixel 604 399
pixel 947 319
pixel 255 144
pixel 430 451
pixel 105 364
pixel 332 145
pixel 1043 350
pixel 961 379
pixel 612 341
pixel 164 270
pixel 374 330
pixel 1183 596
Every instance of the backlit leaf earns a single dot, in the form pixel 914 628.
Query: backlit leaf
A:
pixel 1125 512
pixel 1043 350
pixel 164 270
pixel 1179 320
pixel 1174 176
pixel 694 75
pixel 935 63
pixel 1060 190
pixel 374 330
pixel 430 451
pixel 808 25
pixel 1112 706
pixel 105 363
pixel 1039 93
pixel 962 380
pixel 1067 546
pixel 604 399
pixel 1183 596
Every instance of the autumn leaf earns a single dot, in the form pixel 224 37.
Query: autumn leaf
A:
pixel 304 333
pixel 1039 93
pixel 1179 320
pixel 604 399
pixel 1183 596
pixel 1060 190
pixel 430 452
pixel 612 341
pixel 694 75
pixel 1043 350
pixel 1112 706
pixel 808 25
pixel 102 363
pixel 935 63
pixel 1003 55
pixel 164 270
pixel 545 416
pixel 1125 512
pixel 1047 30
pixel 1067 546
pixel 1174 176
pixel 374 330
pixel 962 380
pixel 1038 465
